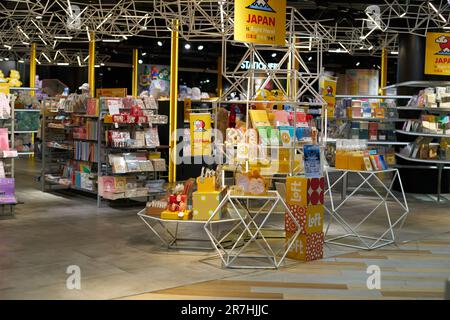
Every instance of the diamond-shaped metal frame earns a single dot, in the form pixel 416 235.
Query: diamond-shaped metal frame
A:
pixel 369 179
pixel 251 232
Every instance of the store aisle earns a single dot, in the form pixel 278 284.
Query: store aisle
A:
pixel 119 258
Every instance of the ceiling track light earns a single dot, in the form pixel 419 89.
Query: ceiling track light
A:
pixel 46 58
pixel 104 20
pixel 7 46
pixel 42 39
pixel 160 44
pixel 63 37
pixel 63 64
pixel 88 34
pixel 23 32
pixel 111 40
pixel 79 61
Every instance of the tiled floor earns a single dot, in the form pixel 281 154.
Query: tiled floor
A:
pixel 119 258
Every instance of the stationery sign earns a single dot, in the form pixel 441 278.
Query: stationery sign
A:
pixel 260 21
pixel 437 57
pixel 201 133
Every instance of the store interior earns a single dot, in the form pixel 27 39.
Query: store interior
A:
pixel 224 150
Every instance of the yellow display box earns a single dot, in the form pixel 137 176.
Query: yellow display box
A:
pixel 169 215
pixel 205 203
pixel 297 191
pixel 314 219
pixel 306 247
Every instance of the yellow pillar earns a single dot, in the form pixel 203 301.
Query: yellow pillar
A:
pixel 91 72
pixel 384 64
pixel 33 69
pixel 134 90
pixel 219 77
pixel 173 102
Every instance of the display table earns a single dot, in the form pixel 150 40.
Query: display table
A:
pixel 168 231
pixel 251 245
pixel 340 215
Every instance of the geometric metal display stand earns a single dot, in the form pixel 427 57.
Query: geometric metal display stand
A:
pixel 251 249
pixel 339 213
pixel 168 231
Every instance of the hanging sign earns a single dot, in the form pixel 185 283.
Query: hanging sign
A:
pixel 201 133
pixel 260 21
pixel 437 56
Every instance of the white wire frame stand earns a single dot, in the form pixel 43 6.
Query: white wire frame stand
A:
pixel 369 179
pixel 172 239
pixel 251 232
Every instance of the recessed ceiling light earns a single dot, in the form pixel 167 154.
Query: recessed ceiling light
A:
pixel 6 59
pixel 200 48
pixel 144 54
pixel 274 55
pixel 160 43
pixel 310 58
pixel 187 46
pixel 140 61
pixel 358 63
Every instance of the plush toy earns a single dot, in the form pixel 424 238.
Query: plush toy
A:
pixel 14 78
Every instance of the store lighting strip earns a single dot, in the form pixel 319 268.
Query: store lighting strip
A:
pixel 36 25
pixel 23 32
pixel 88 34
pixel 46 57
pixel 42 39
pixel 63 37
pixel 437 11
pixel 62 64
pixel 79 61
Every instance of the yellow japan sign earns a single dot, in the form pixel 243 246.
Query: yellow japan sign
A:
pixel 260 21
pixel 437 57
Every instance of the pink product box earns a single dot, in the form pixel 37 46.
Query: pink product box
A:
pixel 7 191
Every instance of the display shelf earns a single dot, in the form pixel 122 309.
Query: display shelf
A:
pixel 25 132
pixel 374 119
pixel 418 84
pixel 412 108
pixel 387 143
pixel 422 134
pixel 27 110
pixel 372 97
pixel 429 161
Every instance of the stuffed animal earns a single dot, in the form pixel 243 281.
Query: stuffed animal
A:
pixel 14 78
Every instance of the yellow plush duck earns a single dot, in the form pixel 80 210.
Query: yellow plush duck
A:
pixel 14 78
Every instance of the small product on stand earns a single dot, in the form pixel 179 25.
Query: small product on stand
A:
pixel 177 208
pixel 208 196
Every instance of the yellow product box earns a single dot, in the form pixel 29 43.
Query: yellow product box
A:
pixel 297 191
pixel 169 215
pixel 341 160
pixel 205 203
pixel 206 184
pixel 356 161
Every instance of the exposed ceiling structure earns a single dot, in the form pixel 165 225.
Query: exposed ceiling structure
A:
pixel 61 28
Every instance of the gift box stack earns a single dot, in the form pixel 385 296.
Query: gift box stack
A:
pixel 305 199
